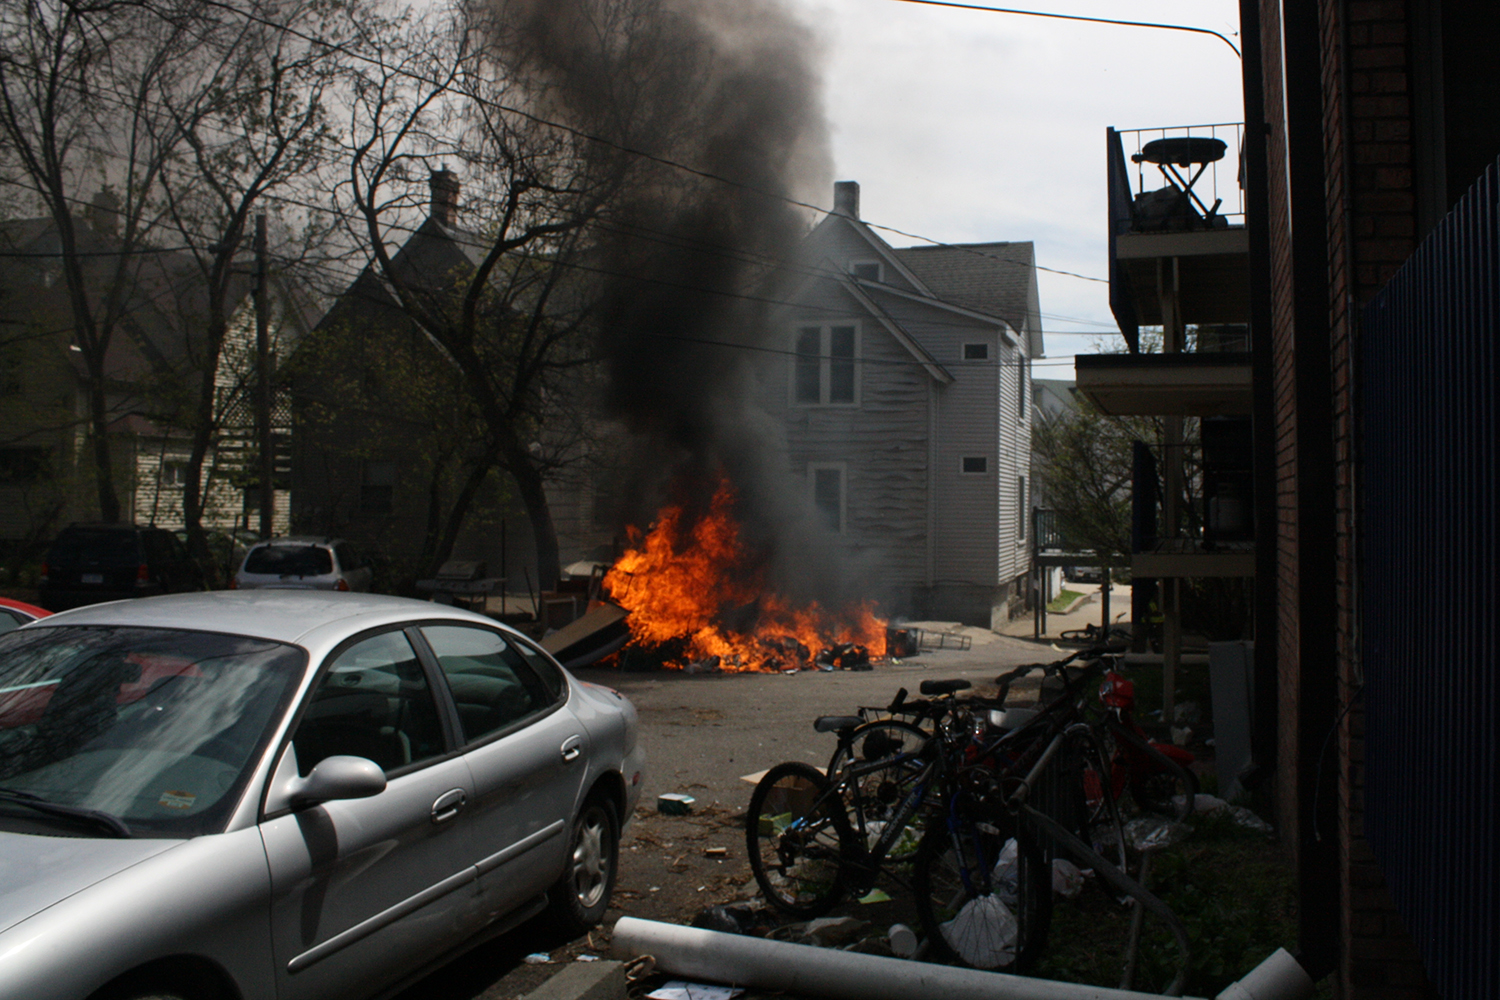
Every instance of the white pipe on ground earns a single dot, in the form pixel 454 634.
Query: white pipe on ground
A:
pixel 844 975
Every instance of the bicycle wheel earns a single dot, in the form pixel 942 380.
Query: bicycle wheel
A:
pixel 984 893
pixel 885 753
pixel 795 835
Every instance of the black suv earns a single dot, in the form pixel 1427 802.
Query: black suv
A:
pixel 89 563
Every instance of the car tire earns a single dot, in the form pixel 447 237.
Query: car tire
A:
pixel 576 903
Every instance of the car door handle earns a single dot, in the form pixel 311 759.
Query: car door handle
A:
pixel 448 805
pixel 572 749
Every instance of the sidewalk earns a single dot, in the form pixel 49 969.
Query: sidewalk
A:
pixel 1090 612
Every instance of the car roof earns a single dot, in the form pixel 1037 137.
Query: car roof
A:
pixel 279 615
pixel 300 540
pixel 30 609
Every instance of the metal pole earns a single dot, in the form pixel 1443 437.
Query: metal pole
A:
pixel 263 385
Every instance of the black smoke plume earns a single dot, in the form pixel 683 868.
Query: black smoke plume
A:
pixel 712 109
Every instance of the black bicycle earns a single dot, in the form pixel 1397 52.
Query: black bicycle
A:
pixel 812 838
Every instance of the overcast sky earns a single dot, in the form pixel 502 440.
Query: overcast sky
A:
pixel 965 126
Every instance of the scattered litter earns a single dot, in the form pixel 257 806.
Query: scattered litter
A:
pixel 1186 712
pixel 1067 878
pixel 736 918
pixel 903 941
pixel 715 852
pixel 1244 817
pixel 1149 832
pixel 1181 735
pixel 834 932
pixel 538 958
pixel 678 989
pixel 587 958
pixel 1005 873
pixel 1206 804
pixel 875 896
pixel 656 888
pixel 675 804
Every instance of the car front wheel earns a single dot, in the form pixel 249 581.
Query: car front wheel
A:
pixel 578 901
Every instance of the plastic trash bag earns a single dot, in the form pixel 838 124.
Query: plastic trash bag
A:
pixel 983 933
pixel 1067 878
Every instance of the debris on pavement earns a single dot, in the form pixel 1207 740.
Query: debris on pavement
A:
pixel 679 989
pixel 1148 832
pixel 675 804
pixel 538 958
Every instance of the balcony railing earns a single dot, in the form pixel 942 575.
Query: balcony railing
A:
pixel 1219 183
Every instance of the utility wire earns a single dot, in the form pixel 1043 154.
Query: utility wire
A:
pixel 609 143
pixel 1080 17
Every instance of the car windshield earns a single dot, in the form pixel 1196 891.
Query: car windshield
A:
pixel 158 727
pixel 289 560
pixel 103 544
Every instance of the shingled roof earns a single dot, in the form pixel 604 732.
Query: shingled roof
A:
pixel 991 278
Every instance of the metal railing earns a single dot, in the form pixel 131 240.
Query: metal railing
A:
pixel 1220 181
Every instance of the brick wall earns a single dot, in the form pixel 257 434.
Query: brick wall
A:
pixel 1371 225
pixel 1288 633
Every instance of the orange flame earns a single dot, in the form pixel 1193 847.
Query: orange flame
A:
pixel 679 584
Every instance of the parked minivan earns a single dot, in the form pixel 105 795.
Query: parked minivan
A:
pixel 304 564
pixel 89 563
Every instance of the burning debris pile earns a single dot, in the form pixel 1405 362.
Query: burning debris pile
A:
pixel 698 599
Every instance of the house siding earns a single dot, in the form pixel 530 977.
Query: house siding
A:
pixel 941 542
pixel 882 442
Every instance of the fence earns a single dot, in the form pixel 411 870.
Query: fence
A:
pixel 1430 360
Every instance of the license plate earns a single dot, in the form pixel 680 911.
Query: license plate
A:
pixel 93 578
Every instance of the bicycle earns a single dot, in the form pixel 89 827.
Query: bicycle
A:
pixel 812 838
pixel 983 878
pixel 1038 783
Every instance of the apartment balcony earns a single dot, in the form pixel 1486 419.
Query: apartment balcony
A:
pixel 1178 260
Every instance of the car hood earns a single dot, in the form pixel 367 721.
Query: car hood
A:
pixel 36 872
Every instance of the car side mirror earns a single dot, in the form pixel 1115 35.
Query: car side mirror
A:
pixel 337 778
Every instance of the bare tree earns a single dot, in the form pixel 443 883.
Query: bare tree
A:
pixel 78 106
pixel 253 125
pixel 511 311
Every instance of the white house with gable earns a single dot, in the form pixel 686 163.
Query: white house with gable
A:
pixel 906 399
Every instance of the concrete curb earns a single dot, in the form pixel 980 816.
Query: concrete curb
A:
pixel 603 980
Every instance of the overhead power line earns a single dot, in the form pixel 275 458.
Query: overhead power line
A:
pixel 1080 17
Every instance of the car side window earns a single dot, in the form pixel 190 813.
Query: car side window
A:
pixel 545 668
pixel 492 684
pixel 374 702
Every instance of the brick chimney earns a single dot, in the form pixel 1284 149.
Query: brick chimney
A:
pixel 103 213
pixel 445 187
pixel 846 198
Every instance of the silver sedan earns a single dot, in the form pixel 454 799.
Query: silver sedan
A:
pixel 292 795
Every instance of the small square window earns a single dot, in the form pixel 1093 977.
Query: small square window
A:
pixel 976 464
pixel 976 352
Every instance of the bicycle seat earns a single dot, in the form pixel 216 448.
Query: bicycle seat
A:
pixel 945 687
pixel 836 723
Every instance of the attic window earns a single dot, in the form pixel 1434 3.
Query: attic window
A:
pixel 976 352
pixel 866 270
pixel 975 465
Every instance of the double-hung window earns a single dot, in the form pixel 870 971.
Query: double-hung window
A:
pixel 826 366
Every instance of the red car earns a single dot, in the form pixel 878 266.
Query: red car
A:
pixel 14 614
